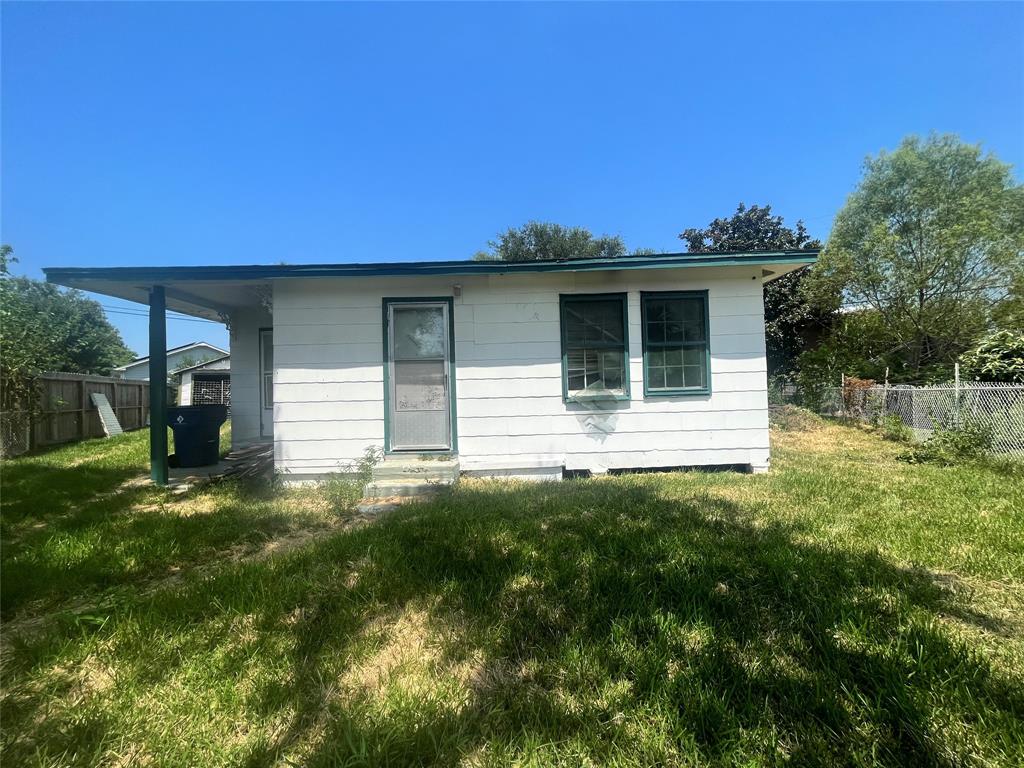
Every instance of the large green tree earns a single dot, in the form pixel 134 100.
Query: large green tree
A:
pixel 932 239
pixel 544 241
pixel 791 322
pixel 45 328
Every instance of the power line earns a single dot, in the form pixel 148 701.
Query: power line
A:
pixel 132 313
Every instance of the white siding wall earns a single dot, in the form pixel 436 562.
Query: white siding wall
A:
pixel 329 379
pixel 185 389
pixel 245 374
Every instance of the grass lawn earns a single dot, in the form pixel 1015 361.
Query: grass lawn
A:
pixel 845 609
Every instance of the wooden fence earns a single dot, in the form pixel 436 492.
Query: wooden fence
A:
pixel 65 412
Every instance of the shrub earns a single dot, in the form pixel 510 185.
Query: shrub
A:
pixel 894 429
pixel 790 418
pixel 998 358
pixel 968 441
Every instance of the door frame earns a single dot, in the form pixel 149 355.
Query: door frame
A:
pixel 386 303
pixel 265 429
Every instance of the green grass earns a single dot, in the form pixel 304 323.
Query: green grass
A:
pixel 846 609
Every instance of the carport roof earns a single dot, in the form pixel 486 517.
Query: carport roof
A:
pixel 212 291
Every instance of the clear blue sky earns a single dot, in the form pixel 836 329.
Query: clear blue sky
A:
pixel 194 133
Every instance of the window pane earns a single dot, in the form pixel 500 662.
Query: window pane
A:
pixel 267 343
pixel 693 313
pixel 419 333
pixel 598 322
pixel 655 310
pixel 595 370
pixel 655 332
pixel 694 375
pixel 694 356
pixel 268 390
pixel 674 377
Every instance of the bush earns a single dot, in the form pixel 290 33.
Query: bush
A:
pixel 998 358
pixel 894 429
pixel 968 441
pixel 344 489
pixel 790 418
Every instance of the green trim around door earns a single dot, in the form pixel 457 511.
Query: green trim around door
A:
pixel 680 391
pixel 386 302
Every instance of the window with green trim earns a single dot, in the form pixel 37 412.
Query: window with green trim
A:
pixel 675 334
pixel 594 346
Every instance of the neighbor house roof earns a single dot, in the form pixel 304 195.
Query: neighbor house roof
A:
pixel 203 364
pixel 171 351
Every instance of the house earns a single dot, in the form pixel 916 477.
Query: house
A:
pixel 205 383
pixel 517 369
pixel 177 358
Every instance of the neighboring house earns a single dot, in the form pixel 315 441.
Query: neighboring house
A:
pixel 205 383
pixel 177 357
pixel 521 369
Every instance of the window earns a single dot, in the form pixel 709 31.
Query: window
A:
pixel 676 352
pixel 594 347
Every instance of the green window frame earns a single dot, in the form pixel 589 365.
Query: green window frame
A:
pixel 676 332
pixel 595 348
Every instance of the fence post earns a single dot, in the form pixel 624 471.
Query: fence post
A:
pixel 956 394
pixel 82 433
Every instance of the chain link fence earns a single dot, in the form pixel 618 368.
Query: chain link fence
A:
pixel 998 408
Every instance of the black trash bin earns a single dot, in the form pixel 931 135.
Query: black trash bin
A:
pixel 196 433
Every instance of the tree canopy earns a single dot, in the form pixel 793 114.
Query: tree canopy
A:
pixel 45 328
pixel 932 239
pixel 545 241
pixel 791 322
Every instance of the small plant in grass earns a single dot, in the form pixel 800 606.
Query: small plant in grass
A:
pixel 894 429
pixel 344 489
pixel 968 441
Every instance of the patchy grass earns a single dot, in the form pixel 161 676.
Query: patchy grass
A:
pixel 845 609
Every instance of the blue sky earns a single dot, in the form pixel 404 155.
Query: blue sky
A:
pixel 196 133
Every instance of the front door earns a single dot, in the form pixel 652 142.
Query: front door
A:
pixel 266 382
pixel 418 389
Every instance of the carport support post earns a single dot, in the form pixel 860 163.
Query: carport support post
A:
pixel 157 385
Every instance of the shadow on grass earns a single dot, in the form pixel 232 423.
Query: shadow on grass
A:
pixel 71 530
pixel 596 621
pixel 603 621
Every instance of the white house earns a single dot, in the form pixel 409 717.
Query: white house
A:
pixel 185 355
pixel 205 383
pixel 514 368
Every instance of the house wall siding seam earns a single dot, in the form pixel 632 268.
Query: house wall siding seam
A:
pixel 329 375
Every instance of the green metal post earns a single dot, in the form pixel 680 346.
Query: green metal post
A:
pixel 157 385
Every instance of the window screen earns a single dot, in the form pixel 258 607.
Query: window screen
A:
pixel 594 345
pixel 675 343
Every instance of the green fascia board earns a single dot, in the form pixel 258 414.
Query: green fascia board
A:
pixel 156 275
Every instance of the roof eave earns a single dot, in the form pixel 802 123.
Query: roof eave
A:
pixel 154 275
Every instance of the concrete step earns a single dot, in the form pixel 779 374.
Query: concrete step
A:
pixel 386 488
pixel 443 471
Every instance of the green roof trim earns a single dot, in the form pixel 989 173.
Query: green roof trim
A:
pixel 156 275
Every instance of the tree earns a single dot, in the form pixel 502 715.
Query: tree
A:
pixel 932 239
pixel 544 241
pixel 791 321
pixel 45 328
pixel 997 358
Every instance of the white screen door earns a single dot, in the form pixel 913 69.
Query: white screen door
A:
pixel 266 382
pixel 418 397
